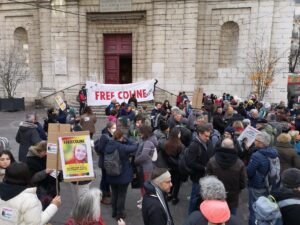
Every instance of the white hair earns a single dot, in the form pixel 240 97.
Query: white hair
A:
pixel 88 207
pixel 227 143
pixel 211 188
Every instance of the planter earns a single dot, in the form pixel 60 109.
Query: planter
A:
pixel 12 104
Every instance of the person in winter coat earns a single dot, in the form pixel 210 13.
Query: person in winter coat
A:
pixel 133 100
pixel 155 112
pixel 40 175
pixel 214 209
pixel 230 133
pixel 218 120
pixel 258 169
pixel 228 168
pixel 88 120
pixel 107 134
pixel 27 136
pixel 290 190
pixel 199 153
pixel 145 153
pixel 155 209
pixel 287 155
pixel 6 158
pixel 262 125
pixel 119 184
pixel 172 149
pixel 16 194
pixel 82 101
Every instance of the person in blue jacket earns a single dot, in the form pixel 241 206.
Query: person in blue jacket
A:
pixel 119 184
pixel 258 169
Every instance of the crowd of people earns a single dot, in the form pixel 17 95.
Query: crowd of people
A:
pixel 158 151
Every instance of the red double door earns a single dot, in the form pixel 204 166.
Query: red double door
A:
pixel 118 58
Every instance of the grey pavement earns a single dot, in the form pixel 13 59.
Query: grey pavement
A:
pixel 9 122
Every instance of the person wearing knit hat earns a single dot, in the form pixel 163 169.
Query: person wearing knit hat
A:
pixel 229 132
pixel 155 209
pixel 214 208
pixel 288 196
pixel 287 155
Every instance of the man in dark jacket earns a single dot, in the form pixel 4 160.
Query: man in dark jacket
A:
pixel 27 136
pixel 228 168
pixel 218 120
pixel 199 152
pixel 288 197
pixel 155 112
pixel 258 169
pixel 155 207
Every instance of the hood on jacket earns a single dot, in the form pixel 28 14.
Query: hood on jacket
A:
pixel 149 188
pixel 284 145
pixel 9 191
pixel 285 193
pixel 153 139
pixel 111 146
pixel 159 134
pixel 226 157
pixel 26 125
pixel 269 152
pixel 32 152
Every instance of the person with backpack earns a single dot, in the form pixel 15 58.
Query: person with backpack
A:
pixel 100 144
pixel 119 171
pixel 199 153
pixel 82 101
pixel 288 196
pixel 263 171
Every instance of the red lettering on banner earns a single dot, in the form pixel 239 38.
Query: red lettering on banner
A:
pixel 97 95
pixel 102 94
pixel 139 93
pixel 144 93
pixel 125 94
pixel 112 94
pixel 119 95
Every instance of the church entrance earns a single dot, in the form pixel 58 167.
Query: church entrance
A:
pixel 117 58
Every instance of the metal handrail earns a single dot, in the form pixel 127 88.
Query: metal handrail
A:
pixel 62 90
pixel 165 91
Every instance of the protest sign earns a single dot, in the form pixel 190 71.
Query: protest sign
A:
pixel 76 156
pixel 250 134
pixel 197 98
pixel 61 103
pixel 102 94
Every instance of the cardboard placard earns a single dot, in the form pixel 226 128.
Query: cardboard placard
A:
pixel 197 98
pixel 60 102
pixel 54 131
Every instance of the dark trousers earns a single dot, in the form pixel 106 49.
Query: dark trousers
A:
pixel 118 198
pixel 81 107
pixel 104 186
pixel 175 178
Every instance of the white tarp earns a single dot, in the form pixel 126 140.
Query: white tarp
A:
pixel 102 94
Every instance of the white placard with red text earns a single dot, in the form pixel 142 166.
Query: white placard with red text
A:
pixel 102 94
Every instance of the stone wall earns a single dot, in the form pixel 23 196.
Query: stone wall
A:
pixel 182 43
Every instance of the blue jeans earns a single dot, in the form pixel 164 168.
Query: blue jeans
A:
pixel 254 194
pixel 195 195
pixel 233 211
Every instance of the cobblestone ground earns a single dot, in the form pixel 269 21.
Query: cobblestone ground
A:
pixel 9 122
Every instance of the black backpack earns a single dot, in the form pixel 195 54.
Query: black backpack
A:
pixel 112 163
pixel 183 167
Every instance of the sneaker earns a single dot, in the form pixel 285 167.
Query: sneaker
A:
pixel 140 200
pixel 139 206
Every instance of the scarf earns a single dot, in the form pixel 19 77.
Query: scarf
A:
pixel 161 198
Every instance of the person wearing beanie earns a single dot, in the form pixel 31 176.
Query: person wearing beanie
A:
pixel 263 125
pixel 288 196
pixel 20 200
pixel 287 155
pixel 214 208
pixel 227 167
pixel 155 209
pixel 258 169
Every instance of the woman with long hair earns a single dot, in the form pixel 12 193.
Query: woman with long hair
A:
pixel 6 158
pixel 172 149
pixel 119 183
pixel 88 120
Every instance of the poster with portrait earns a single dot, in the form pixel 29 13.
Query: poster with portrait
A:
pixel 76 157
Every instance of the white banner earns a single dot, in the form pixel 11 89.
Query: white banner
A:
pixel 102 94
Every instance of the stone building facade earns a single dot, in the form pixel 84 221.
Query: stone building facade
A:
pixel 181 43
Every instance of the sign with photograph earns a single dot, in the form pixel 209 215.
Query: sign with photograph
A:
pixel 76 157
